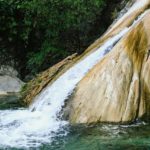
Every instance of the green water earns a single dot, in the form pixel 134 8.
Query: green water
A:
pixel 98 137
pixel 103 137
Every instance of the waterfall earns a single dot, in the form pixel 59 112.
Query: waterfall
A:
pixel 136 6
pixel 24 128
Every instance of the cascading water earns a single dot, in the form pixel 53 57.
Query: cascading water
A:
pixel 38 124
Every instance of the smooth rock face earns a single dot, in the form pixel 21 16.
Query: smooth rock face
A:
pixel 9 82
pixel 117 89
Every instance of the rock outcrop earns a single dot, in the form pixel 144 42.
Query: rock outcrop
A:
pixel 9 82
pixel 117 89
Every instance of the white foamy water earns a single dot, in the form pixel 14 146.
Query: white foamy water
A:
pixel 26 128
pixel 139 4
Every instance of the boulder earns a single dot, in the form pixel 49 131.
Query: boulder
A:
pixel 117 89
pixel 9 81
pixel 10 84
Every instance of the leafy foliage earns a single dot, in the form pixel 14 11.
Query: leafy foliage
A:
pixel 38 33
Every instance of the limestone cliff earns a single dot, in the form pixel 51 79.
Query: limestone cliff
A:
pixel 117 89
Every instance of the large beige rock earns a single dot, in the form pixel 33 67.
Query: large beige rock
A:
pixel 117 89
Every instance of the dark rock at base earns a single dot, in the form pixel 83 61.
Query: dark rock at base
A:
pixel 10 101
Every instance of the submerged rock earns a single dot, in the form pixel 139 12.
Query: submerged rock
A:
pixel 10 101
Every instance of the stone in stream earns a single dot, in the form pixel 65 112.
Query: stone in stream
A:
pixel 10 101
pixel 10 86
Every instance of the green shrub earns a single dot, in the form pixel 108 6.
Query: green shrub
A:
pixel 39 33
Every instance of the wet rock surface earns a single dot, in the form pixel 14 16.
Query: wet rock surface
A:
pixel 10 101
pixel 117 88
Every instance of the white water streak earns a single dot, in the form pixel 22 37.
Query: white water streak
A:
pixel 139 4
